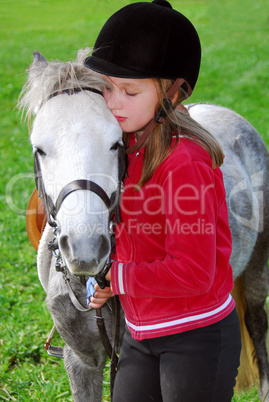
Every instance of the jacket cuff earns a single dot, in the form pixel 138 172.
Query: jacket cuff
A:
pixel 118 280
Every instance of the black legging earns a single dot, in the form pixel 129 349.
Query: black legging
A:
pixel 194 366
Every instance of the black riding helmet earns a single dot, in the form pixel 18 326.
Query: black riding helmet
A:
pixel 147 40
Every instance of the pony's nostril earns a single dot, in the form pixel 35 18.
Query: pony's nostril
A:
pixel 104 247
pixel 64 244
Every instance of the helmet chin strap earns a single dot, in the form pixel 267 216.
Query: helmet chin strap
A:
pixel 160 117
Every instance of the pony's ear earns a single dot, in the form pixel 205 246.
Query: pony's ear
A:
pixel 82 54
pixel 32 96
pixel 39 58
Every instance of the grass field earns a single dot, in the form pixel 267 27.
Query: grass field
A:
pixel 234 73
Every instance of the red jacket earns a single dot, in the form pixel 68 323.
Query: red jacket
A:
pixel 173 245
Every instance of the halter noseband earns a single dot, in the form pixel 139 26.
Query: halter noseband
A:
pixel 52 209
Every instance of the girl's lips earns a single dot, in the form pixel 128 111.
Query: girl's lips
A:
pixel 121 118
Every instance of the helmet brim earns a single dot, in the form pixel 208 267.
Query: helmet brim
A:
pixel 113 70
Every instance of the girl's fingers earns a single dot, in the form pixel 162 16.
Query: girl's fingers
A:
pixel 102 292
pixel 98 302
pixel 100 297
pixel 95 305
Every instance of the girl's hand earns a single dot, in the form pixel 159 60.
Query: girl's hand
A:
pixel 100 296
pixel 96 296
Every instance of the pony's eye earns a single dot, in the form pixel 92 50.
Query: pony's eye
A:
pixel 116 146
pixel 40 152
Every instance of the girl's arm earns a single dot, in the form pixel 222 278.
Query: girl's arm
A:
pixel 197 243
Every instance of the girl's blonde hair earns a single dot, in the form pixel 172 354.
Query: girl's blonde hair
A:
pixel 177 123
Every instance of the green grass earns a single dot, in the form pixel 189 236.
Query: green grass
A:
pixel 234 73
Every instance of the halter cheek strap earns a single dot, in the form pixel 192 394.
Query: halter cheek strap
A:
pixel 160 117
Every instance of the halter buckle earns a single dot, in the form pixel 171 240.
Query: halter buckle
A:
pixel 163 111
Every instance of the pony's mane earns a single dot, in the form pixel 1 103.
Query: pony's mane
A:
pixel 48 78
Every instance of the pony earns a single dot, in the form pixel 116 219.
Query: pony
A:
pixel 76 138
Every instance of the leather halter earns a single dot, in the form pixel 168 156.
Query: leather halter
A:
pixel 51 210
pixel 72 91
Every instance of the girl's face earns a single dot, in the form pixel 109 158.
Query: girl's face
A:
pixel 132 101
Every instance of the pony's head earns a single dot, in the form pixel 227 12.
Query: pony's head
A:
pixel 75 137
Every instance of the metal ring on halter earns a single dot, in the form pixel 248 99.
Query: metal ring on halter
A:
pixel 52 221
pixel 111 228
pixel 163 111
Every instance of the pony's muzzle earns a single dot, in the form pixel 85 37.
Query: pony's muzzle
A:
pixel 84 256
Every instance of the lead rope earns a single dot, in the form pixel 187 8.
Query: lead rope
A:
pixel 57 351
pixel 114 357
pixel 110 348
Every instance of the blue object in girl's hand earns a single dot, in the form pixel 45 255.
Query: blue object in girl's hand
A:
pixel 90 288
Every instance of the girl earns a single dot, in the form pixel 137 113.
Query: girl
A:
pixel 173 243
